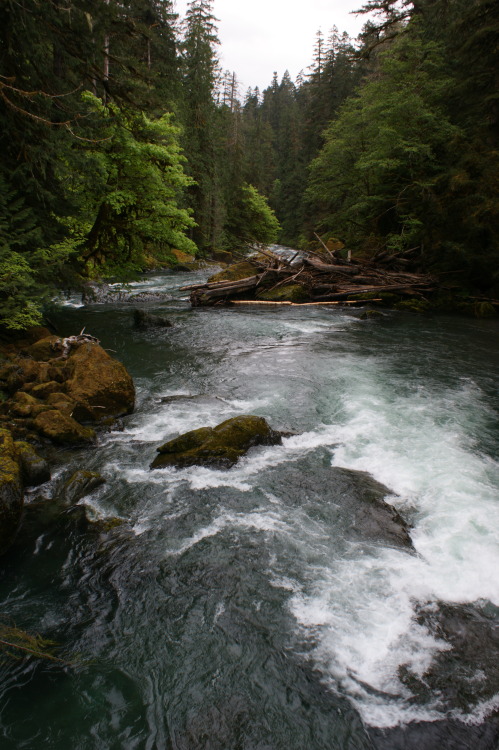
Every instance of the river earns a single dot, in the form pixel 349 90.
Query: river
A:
pixel 242 609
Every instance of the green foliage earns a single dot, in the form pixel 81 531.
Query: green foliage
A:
pixel 129 192
pixel 252 220
pixel 375 179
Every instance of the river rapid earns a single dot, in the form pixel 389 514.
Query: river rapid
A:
pixel 243 609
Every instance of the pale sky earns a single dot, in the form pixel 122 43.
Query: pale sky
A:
pixel 259 37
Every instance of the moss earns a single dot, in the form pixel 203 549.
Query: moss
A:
pixel 236 272
pixel 34 469
pixel 99 385
pixel 79 485
pixel 219 446
pixel 62 429
pixel 42 350
pixel 484 310
pixel 413 305
pixel 11 491
pixel 371 315
pixel 286 293
pixel 42 390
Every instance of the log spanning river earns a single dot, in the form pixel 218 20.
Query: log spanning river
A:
pixel 258 608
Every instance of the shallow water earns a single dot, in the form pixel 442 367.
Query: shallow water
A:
pixel 242 608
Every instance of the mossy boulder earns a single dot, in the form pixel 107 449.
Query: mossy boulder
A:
pixel 11 490
pixel 99 385
pixel 42 350
pixel 217 447
pixel 236 272
pixel 22 404
pixel 34 469
pixel 222 256
pixel 286 293
pixel 371 315
pixel 63 429
pixel 79 485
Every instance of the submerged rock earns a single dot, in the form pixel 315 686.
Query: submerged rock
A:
pixel 371 516
pixel 219 446
pixel 143 319
pixel 79 485
pixel 11 491
pixel 467 672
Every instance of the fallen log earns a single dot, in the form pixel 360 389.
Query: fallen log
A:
pixel 373 289
pixel 299 304
pixel 332 268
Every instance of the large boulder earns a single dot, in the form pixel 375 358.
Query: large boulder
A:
pixel 99 385
pixel 11 491
pixel 217 447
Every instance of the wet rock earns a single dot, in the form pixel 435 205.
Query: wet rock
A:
pixel 143 319
pixel 181 268
pixel 371 315
pixel 62 429
pixel 79 485
pixel 371 517
pixel 11 491
pixel 104 294
pixel 34 469
pixel 468 673
pixel 99 385
pixel 219 446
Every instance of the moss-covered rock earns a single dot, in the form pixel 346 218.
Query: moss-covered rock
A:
pixel 79 485
pixel 34 469
pixel 371 315
pixel 236 272
pixel 222 256
pixel 219 446
pixel 22 404
pixel 11 491
pixel 412 305
pixel 285 293
pixel 42 350
pixel 42 390
pixel 62 402
pixel 63 429
pixel 99 385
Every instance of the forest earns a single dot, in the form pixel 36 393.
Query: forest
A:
pixel 123 140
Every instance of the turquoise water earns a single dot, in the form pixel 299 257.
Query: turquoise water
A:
pixel 243 609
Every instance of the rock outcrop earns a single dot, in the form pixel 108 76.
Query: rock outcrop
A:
pixel 216 447
pixel 49 395
pixel 11 491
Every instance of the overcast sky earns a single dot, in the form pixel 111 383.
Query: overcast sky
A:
pixel 259 37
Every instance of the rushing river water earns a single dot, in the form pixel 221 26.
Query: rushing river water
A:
pixel 244 609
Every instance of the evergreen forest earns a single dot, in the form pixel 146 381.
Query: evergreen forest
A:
pixel 123 140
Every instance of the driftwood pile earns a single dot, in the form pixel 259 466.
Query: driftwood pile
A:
pixel 323 277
